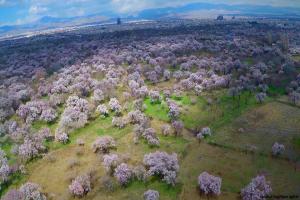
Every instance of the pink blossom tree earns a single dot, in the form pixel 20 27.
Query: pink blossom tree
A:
pixel 151 195
pixel 123 174
pixel 209 184
pixel 257 189
pixel 103 144
pixel 162 164
pixel 80 186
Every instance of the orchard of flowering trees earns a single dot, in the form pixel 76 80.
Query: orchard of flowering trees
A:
pixel 36 110
pixel 136 85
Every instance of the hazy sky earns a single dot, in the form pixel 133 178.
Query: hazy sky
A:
pixel 25 11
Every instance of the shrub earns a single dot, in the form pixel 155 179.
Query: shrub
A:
pixel 142 92
pixel 178 127
pixel 139 173
pixel 138 104
pixel 294 97
pixel 209 184
pixel 45 133
pixel 104 144
pixel 167 93
pixel 110 162
pixel 150 135
pixel 198 89
pixel 48 115
pixel 174 111
pixel 80 186
pixel 114 105
pixel 75 114
pixel 277 149
pixel 123 174
pixel 136 116
pixel 260 97
pixel 6 108
pixel 153 141
pixel 166 129
pixel 55 100
pixel 13 195
pixel 4 167
pixel 138 131
pixel 204 132
pixel 162 164
pixel 102 109
pixel 167 75
pixel 98 95
pixel 107 183
pixel 79 104
pixel 32 191
pixel 154 96
pixel 258 189
pixel 61 137
pixel 118 122
pixel 31 147
pixel 27 150
pixel 152 76
pixel 151 195
pixel 35 110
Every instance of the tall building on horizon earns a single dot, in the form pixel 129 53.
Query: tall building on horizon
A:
pixel 119 21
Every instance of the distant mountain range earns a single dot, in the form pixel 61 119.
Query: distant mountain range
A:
pixel 152 14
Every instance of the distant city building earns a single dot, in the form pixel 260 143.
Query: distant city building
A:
pixel 220 17
pixel 119 21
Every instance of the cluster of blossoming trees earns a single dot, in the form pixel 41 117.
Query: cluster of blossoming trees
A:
pixel 50 82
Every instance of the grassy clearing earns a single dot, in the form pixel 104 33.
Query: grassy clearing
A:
pixel 276 91
pixel 296 58
pixel 221 111
pixel 236 170
pixel 160 110
pixel 156 110
pixel 248 61
pixel 275 121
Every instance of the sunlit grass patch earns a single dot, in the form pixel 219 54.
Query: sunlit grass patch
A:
pixel 156 110
pixel 249 61
pixel 275 91
pixel 236 169
pixel 296 141
pixel 296 58
pixel 182 100
pixel 221 109
pixel 258 129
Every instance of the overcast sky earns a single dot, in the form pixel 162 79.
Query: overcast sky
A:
pixel 26 11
